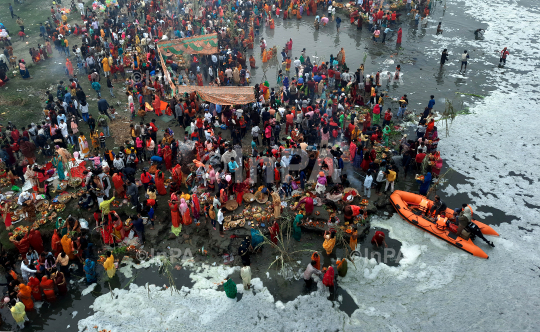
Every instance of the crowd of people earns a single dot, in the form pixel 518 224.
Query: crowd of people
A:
pixel 311 116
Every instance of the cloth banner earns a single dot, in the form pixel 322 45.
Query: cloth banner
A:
pixel 205 44
pixel 221 95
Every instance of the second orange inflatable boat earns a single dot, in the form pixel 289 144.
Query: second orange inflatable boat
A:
pixel 408 205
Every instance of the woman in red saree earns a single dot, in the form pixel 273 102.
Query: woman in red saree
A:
pixel 160 180
pixel 274 231
pixel 60 282
pixel 367 123
pixel 119 229
pixel 48 288
pixel 69 67
pixel 239 191
pixel 118 184
pixel 352 150
pixel 168 111
pixel 156 104
pixel 25 295
pixel 308 204
pixel 199 79
pixel 6 214
pixel 365 161
pixel 175 215
pixel 33 282
pixel 55 243
pixel 328 279
pixel 223 195
pixel 167 156
pixel 430 127
pixel 196 205
pixel 186 212
pixel 106 230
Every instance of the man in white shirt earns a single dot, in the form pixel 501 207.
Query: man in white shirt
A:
pixel 63 128
pixel 220 221
pixel 26 271
pixel 255 133
pixel 310 270
pixel 229 73
pixel 118 163
pixel 216 203
pixel 23 197
pixel 207 116
pixel 227 155
pixel 282 111
pixel 297 65
pixel 367 184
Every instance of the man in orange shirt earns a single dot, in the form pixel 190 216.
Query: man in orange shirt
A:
pixel 289 121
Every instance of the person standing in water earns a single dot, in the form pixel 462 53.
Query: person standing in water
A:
pixel 464 59
pixel 439 29
pixel 504 54
pixel 444 56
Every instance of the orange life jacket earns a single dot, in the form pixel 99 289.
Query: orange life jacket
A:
pixel 441 223
pixel 424 204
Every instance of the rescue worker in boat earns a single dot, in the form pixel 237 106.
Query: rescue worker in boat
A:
pixel 464 217
pixel 438 207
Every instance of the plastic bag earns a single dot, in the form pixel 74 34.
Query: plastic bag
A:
pixel 83 223
pixel 15 188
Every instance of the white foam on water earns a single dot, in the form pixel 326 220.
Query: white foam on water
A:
pixel 89 289
pixel 205 308
pixel 128 265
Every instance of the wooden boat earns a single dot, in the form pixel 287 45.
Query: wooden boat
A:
pixel 411 207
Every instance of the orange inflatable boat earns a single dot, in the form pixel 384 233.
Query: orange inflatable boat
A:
pixel 411 207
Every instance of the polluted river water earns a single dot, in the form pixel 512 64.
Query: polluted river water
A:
pixel 492 151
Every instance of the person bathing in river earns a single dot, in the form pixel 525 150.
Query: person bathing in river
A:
pixel 378 239
pixel 439 29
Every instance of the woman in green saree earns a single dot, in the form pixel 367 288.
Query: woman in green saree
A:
pixel 57 163
pixel 297 232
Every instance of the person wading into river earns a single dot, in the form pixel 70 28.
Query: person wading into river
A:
pixel 504 54
pixel 464 59
pixel 444 56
